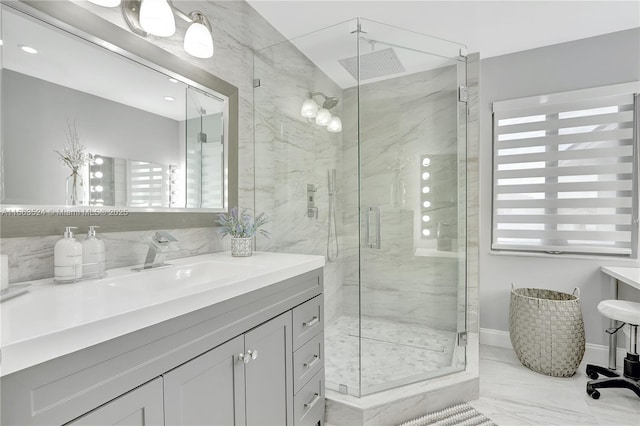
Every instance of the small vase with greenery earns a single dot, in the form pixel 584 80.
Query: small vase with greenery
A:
pixel 242 227
pixel 74 156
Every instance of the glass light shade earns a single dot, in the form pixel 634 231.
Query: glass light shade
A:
pixel 156 17
pixel 309 108
pixel 324 117
pixel 198 41
pixel 106 3
pixel 335 125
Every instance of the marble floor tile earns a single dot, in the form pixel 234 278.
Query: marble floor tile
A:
pixel 511 394
pixel 391 352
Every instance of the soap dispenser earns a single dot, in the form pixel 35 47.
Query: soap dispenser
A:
pixel 67 258
pixel 93 254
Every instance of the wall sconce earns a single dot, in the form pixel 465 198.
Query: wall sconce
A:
pixel 323 117
pixel 157 17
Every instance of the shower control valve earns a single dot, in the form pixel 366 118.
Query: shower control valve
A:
pixel 312 210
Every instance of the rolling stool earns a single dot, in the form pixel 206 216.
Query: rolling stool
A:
pixel 629 313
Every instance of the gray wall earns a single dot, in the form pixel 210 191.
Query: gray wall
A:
pixel 35 125
pixel 598 61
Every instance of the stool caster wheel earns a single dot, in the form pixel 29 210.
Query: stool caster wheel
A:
pixel 593 393
pixel 591 373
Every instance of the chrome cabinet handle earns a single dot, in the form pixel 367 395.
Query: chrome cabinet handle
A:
pixel 372 241
pixel 311 322
pixel 313 362
pixel 308 406
pixel 248 356
pixel 244 358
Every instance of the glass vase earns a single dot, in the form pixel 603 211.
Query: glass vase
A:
pixel 75 189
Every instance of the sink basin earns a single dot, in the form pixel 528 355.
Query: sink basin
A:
pixel 180 278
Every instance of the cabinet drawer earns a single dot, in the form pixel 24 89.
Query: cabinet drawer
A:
pixel 308 404
pixel 307 361
pixel 308 320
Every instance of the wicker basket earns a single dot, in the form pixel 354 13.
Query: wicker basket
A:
pixel 547 330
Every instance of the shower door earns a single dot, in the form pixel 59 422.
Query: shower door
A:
pixel 388 192
pixel 412 144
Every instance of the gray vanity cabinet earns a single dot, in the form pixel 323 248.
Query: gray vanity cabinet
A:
pixel 269 377
pixel 139 407
pixel 208 390
pixel 251 372
pixel 231 363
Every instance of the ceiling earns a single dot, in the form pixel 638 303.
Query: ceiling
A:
pixel 492 28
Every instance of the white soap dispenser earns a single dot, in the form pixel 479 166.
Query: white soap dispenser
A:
pixel 93 254
pixel 67 258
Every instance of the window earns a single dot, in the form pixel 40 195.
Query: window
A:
pixel 565 172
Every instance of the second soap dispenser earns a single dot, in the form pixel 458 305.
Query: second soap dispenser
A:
pixel 93 255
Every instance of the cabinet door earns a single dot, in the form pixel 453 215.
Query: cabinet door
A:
pixel 208 390
pixel 269 375
pixel 139 407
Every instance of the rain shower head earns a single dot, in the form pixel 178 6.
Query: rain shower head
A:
pixel 379 63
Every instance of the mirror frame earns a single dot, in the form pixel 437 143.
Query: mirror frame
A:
pixel 83 23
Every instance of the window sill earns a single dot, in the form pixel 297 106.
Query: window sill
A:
pixel 618 260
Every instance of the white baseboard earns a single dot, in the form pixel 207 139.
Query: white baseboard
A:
pixel 593 354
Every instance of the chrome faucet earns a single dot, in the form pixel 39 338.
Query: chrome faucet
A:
pixel 160 244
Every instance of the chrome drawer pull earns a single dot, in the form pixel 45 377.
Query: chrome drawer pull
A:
pixel 311 322
pixel 313 362
pixel 314 401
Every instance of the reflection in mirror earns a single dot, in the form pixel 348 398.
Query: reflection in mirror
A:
pixel 161 142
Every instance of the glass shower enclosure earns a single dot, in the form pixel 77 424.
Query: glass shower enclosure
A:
pixel 360 155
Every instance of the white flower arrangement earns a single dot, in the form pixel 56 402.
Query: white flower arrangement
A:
pixel 73 153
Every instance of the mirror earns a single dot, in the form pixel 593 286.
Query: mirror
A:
pixel 84 126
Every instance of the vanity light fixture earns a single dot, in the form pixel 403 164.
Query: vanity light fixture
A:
pixel 321 113
pixel 323 117
pixel 157 17
pixel 197 40
pixel 335 125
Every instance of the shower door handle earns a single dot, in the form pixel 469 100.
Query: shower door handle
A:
pixel 372 219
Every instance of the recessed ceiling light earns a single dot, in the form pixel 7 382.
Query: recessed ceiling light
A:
pixel 173 80
pixel 27 49
pixel 169 98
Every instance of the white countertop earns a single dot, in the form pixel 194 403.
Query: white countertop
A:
pixel 53 320
pixel 626 274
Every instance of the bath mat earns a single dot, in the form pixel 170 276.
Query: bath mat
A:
pixel 461 414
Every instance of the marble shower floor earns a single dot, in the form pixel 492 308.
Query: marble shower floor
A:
pixel 391 351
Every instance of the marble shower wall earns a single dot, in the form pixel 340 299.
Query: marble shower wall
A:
pixel 291 153
pixel 238 31
pixel 403 120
